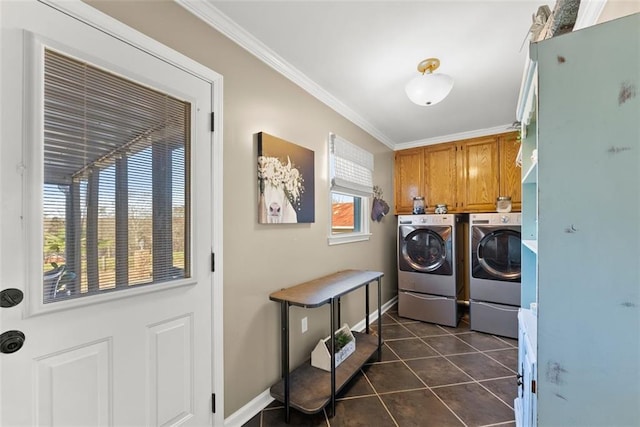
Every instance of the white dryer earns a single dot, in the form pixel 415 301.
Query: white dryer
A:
pixel 430 267
pixel 494 279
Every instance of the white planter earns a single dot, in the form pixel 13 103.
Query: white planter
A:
pixel 320 357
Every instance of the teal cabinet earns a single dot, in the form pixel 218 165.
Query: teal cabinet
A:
pixel 581 228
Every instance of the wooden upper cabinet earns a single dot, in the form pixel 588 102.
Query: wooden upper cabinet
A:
pixel 480 168
pixel 409 178
pixel 510 174
pixel 467 176
pixel 440 176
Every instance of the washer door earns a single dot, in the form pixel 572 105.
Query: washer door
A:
pixel 498 255
pixel 426 249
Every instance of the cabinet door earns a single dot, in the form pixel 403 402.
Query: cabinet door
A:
pixel 510 181
pixel 530 398
pixel 440 176
pixel 480 170
pixel 409 178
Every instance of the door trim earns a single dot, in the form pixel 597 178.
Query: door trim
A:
pixel 111 26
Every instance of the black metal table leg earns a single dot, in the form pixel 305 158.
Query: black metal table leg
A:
pixel 284 320
pixel 366 308
pixel 379 319
pixel 333 358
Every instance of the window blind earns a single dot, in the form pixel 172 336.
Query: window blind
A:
pixel 351 167
pixel 116 181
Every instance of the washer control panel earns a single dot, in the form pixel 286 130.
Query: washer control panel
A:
pixel 513 218
pixel 427 219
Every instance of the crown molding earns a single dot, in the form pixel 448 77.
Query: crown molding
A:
pixel 103 22
pixel 222 23
pixel 456 137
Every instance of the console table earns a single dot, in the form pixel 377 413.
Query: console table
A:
pixel 309 389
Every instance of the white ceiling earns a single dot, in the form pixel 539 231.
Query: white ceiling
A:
pixel 357 56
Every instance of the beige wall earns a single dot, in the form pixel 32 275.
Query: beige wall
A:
pixel 618 8
pixel 259 259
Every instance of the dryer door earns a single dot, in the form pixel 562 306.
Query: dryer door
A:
pixel 497 254
pixel 426 250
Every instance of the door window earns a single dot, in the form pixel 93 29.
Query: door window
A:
pixel 425 250
pixel 499 254
pixel 116 182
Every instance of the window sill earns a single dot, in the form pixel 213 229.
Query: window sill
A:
pixel 349 238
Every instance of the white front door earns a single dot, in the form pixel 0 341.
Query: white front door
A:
pixel 106 229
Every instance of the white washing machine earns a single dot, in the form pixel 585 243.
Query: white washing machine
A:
pixel 430 267
pixel 494 279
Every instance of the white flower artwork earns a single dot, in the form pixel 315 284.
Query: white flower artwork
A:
pixel 283 183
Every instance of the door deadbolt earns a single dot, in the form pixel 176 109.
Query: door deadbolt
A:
pixel 11 341
pixel 10 297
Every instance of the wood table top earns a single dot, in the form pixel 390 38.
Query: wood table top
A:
pixel 317 292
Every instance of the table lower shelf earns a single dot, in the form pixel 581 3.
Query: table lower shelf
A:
pixel 310 388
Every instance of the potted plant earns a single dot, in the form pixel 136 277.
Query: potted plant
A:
pixel 344 345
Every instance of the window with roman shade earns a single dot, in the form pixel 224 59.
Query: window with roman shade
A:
pixel 351 167
pixel 351 185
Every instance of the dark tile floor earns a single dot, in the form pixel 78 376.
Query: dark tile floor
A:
pixel 429 375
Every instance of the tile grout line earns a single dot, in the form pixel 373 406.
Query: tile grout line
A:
pixel 486 379
pixel 420 379
pixel 506 342
pixel 482 386
pixel 379 398
pixel 473 380
pixel 355 397
pixel 496 396
pixel 435 394
pixel 489 350
pixel 388 411
pixel 326 417
pixel 429 388
pixel 484 352
pixel 497 361
pixel 477 350
pixel 497 424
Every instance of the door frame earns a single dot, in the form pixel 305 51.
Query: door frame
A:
pixel 111 26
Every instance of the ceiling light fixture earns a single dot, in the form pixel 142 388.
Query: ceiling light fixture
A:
pixel 429 88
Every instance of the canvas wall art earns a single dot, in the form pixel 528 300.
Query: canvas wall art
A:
pixel 285 182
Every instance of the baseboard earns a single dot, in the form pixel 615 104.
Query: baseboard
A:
pixel 374 316
pixel 248 411
pixel 257 404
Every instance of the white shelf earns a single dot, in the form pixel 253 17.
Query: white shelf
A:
pixel 531 244
pixel 531 176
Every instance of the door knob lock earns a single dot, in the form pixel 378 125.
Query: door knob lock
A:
pixel 11 341
pixel 10 297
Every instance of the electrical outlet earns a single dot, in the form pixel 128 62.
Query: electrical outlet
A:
pixel 304 325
